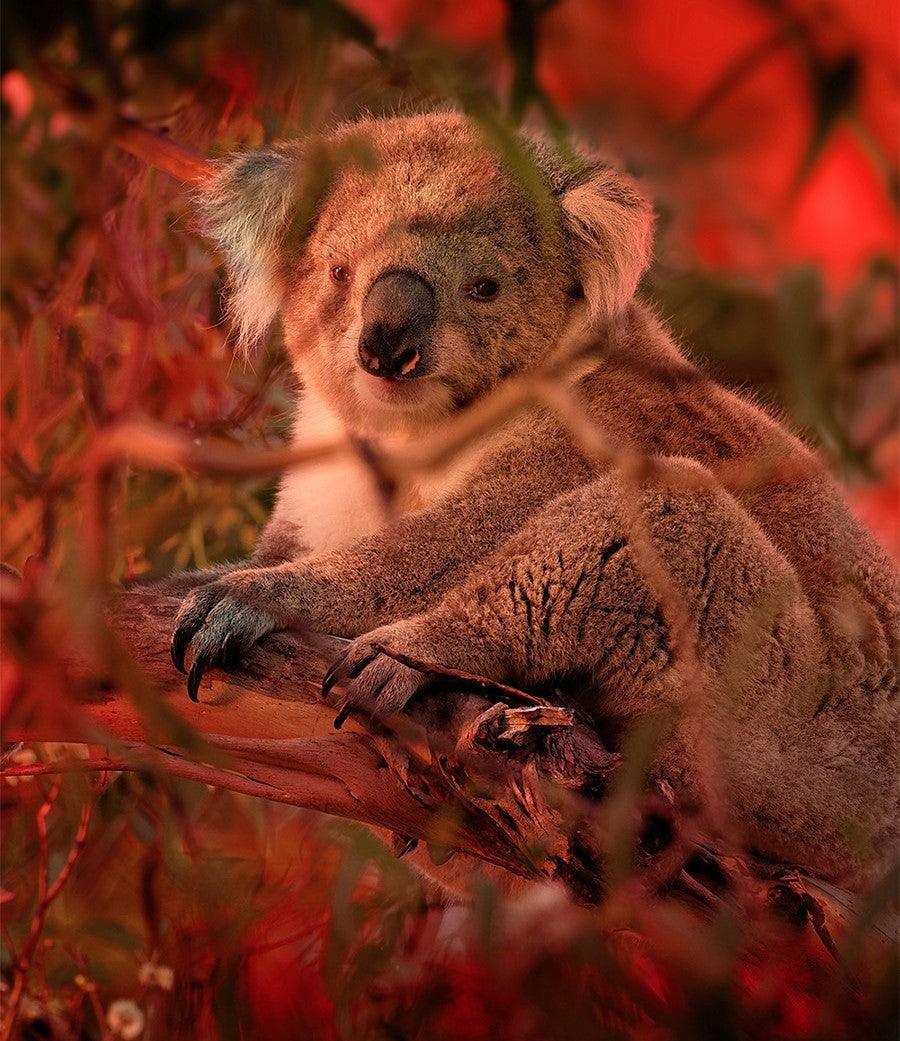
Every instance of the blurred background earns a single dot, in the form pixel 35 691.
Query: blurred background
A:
pixel 766 130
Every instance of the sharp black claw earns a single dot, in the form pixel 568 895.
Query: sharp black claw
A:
pixel 178 649
pixel 341 717
pixel 332 676
pixel 192 616
pixel 361 663
pixel 339 671
pixel 230 653
pixel 193 683
pixel 403 844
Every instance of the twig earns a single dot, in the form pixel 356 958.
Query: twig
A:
pixel 46 893
pixel 156 150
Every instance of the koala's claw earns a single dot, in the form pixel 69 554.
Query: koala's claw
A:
pixel 193 683
pixel 188 621
pixel 349 665
pixel 375 685
pixel 219 630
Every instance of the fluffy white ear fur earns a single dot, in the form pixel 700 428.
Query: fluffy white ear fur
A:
pixel 246 211
pixel 611 224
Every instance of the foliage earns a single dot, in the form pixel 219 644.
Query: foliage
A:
pixel 767 131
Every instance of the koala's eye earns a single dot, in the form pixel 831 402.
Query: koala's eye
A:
pixel 340 273
pixel 483 289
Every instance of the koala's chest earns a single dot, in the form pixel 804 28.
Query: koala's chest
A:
pixel 333 504
pixel 336 503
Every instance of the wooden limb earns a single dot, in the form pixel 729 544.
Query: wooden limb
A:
pixel 524 785
pixel 399 779
pixel 456 766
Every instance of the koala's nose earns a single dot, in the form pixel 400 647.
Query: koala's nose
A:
pixel 398 319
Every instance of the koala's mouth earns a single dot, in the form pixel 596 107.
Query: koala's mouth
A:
pixel 407 400
pixel 393 388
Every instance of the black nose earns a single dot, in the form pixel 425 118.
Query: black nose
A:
pixel 398 320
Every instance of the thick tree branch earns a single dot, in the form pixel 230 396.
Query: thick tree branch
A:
pixel 528 787
pixel 399 779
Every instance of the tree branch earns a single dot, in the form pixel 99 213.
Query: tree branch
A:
pixel 398 779
pixel 528 787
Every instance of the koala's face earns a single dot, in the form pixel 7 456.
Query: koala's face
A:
pixel 428 275
pixel 425 281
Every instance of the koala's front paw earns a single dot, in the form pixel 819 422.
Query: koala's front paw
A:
pixel 375 685
pixel 219 628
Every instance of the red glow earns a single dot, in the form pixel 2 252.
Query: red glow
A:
pixel 842 215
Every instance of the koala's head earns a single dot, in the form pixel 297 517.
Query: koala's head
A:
pixel 412 268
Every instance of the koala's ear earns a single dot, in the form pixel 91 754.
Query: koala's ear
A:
pixel 611 227
pixel 246 210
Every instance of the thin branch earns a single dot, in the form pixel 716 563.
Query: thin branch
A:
pixel 157 150
pixel 46 893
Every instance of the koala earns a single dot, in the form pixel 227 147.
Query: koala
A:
pixel 422 276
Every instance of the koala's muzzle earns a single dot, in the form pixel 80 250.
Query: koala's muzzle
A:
pixel 398 314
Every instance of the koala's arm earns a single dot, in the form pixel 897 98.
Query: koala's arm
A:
pixel 805 747
pixel 401 570
pixel 407 566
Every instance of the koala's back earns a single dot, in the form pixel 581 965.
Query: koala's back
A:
pixel 657 403
pixel 835 723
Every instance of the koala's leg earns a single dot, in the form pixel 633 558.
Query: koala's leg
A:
pixel 568 596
